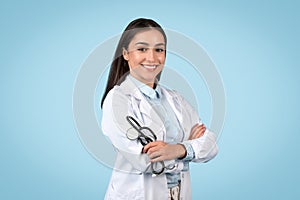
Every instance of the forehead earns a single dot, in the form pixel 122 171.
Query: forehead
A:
pixel 150 36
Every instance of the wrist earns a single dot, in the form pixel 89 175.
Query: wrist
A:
pixel 182 151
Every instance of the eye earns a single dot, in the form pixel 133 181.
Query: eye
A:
pixel 142 49
pixel 159 50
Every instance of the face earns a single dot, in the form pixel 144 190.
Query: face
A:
pixel 146 55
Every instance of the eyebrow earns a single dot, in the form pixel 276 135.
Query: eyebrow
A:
pixel 145 43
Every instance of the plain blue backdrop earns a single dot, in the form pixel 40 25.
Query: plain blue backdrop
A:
pixel 255 46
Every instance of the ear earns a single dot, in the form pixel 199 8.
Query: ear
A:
pixel 125 54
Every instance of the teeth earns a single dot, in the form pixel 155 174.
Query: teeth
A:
pixel 150 67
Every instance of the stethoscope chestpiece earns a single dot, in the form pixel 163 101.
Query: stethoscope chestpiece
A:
pixel 132 134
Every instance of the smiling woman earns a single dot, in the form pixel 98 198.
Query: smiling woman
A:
pixel 169 132
pixel 120 65
pixel 146 55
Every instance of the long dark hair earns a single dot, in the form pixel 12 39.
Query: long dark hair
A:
pixel 119 66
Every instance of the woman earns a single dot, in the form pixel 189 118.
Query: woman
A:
pixel 155 168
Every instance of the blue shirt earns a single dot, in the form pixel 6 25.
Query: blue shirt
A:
pixel 174 132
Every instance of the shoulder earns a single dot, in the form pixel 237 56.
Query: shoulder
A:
pixel 125 88
pixel 116 94
pixel 121 94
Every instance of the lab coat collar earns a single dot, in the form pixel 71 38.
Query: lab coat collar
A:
pixel 129 88
pixel 145 89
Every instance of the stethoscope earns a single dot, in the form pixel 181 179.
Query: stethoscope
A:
pixel 144 135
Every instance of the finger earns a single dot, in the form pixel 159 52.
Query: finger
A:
pixel 194 128
pixel 153 149
pixel 152 144
pixel 148 146
pixel 157 159
pixel 200 133
pixel 201 130
pixel 154 155
pixel 195 131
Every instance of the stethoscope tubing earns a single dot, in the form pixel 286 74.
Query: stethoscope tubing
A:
pixel 147 139
pixel 138 128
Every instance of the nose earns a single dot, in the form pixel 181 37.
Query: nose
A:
pixel 151 55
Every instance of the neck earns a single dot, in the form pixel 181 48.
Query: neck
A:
pixel 151 83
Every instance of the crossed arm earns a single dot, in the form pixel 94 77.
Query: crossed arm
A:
pixel 159 150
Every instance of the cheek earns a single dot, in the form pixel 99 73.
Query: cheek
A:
pixel 135 60
pixel 162 59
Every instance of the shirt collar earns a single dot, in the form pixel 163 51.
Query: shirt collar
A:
pixel 145 89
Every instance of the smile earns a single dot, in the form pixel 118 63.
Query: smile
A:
pixel 150 66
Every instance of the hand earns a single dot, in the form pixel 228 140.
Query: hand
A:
pixel 197 131
pixel 159 151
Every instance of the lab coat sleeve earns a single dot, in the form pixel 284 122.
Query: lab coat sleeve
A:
pixel 205 148
pixel 114 125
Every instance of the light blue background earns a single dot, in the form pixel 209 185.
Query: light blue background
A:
pixel 255 46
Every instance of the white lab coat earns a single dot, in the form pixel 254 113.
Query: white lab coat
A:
pixel 131 177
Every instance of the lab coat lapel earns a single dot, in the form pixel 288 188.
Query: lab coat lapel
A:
pixel 175 103
pixel 152 119
pixel 147 115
